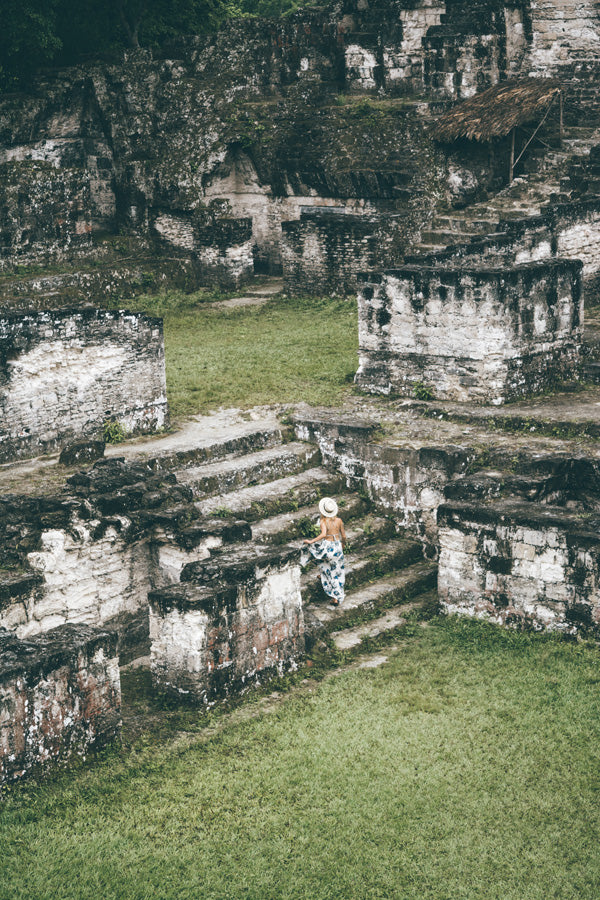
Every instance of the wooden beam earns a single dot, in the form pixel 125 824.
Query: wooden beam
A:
pixel 512 155
pixel 561 122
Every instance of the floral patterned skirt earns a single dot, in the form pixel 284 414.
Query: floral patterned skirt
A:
pixel 333 572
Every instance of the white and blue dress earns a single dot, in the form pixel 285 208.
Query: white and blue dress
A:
pixel 330 553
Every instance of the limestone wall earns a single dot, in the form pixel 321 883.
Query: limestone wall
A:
pixel 63 373
pixel 44 212
pixel 562 31
pixel 470 334
pixel 232 622
pixel 90 555
pixel 324 254
pixel 519 564
pixel 90 572
pixel 222 248
pixel 60 696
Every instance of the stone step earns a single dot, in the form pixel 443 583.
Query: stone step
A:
pixel 354 638
pixel 253 503
pixel 253 468
pixel 367 564
pixel 367 601
pixel 462 226
pixel 204 439
pixel 270 288
pixel 360 529
pixel 426 249
pixel 303 523
pixel 443 237
pixel 232 566
pixel 517 419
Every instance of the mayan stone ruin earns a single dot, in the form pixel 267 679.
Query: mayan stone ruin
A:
pixel 435 163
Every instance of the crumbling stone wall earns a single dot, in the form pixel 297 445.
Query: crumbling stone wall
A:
pixel 112 280
pixel 408 482
pixel 488 335
pixel 221 247
pixel 44 212
pixel 231 622
pixel 91 554
pixel 324 254
pixel 63 373
pixel 567 231
pixel 60 696
pixel 520 564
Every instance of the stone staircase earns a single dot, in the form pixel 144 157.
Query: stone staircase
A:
pixel 550 176
pixel 583 174
pixel 275 485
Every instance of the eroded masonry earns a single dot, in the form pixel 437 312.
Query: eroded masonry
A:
pixel 439 160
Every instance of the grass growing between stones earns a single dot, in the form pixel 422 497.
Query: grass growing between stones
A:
pixel 286 351
pixel 467 767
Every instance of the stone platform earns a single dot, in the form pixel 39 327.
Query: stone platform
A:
pixel 475 333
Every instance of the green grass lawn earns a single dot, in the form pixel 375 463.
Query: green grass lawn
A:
pixel 287 351
pixel 466 767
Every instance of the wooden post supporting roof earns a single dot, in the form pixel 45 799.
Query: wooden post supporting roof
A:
pixel 512 155
pixel 561 122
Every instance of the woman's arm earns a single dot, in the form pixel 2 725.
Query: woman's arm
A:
pixel 319 537
pixel 343 533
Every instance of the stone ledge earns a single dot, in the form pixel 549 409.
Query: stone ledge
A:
pixel 45 652
pixel 581 528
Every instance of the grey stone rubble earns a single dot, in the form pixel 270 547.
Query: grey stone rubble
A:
pixel 471 333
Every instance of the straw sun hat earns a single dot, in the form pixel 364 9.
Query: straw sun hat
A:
pixel 328 508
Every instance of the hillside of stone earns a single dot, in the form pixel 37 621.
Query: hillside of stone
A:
pixel 267 116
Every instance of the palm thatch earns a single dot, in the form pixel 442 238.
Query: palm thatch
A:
pixel 496 111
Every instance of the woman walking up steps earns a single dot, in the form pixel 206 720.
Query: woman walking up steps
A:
pixel 328 548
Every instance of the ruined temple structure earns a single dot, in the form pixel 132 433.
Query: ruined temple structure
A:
pixel 440 159
pixel 304 144
pixel 187 550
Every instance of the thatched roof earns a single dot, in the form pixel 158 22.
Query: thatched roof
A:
pixel 495 112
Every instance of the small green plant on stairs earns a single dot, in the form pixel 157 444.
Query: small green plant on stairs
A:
pixel 222 512
pixel 422 391
pixel 307 528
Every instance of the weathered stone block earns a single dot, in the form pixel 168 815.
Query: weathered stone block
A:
pixel 234 620
pixel 81 452
pixel 64 373
pixel 488 335
pixel 486 569
pixel 324 253
pixel 60 696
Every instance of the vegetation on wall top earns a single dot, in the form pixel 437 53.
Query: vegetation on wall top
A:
pixel 45 32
